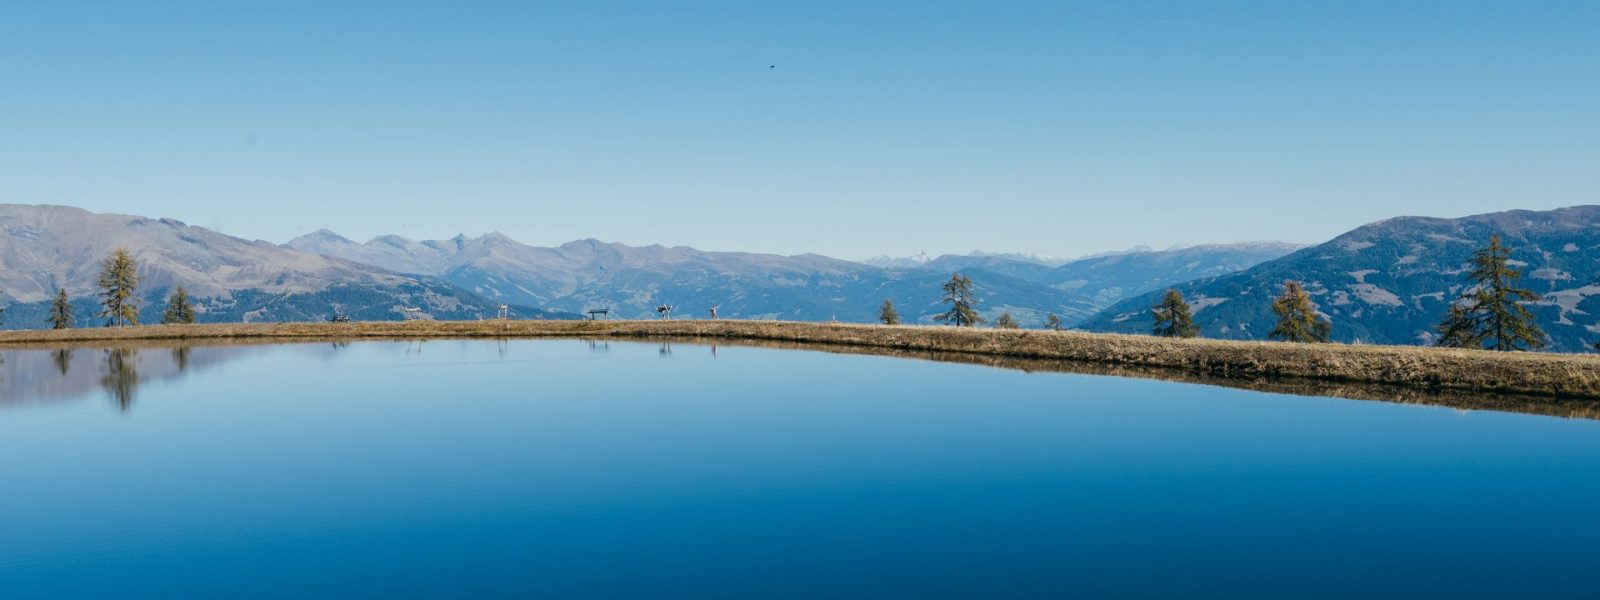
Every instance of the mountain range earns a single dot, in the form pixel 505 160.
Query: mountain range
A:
pixel 1386 282
pixel 46 248
pixel 633 281
pixel 1390 282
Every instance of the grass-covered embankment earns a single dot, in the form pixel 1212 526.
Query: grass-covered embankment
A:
pixel 1539 374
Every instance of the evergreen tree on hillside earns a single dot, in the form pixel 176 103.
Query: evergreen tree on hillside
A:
pixel 1298 320
pixel 1489 314
pixel 887 314
pixel 1173 318
pixel 1052 322
pixel 61 313
pixel 1006 321
pixel 119 277
pixel 958 294
pixel 179 310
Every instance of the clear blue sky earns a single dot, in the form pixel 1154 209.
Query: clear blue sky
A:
pixel 1055 127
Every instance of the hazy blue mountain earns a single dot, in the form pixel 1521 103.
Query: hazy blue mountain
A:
pixel 917 294
pixel 1016 264
pixel 898 262
pixel 1101 280
pixel 322 273
pixel 43 248
pixel 1011 267
pixel 633 280
pixel 1108 278
pixel 390 252
pixel 1391 281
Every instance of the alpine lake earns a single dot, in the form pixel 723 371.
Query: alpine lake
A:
pixel 594 468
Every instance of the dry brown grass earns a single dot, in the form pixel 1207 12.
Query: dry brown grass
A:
pixel 1533 374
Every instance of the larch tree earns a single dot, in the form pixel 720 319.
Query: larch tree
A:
pixel 1490 314
pixel 1006 321
pixel 179 310
pixel 1052 322
pixel 119 278
pixel 61 313
pixel 887 314
pixel 1298 320
pixel 1173 318
pixel 958 294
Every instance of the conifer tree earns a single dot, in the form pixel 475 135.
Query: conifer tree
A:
pixel 61 314
pixel 1006 321
pixel 1173 318
pixel 1298 320
pixel 1052 322
pixel 179 310
pixel 887 314
pixel 958 294
pixel 119 277
pixel 1489 314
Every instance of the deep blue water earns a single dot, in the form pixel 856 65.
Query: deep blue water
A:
pixel 560 469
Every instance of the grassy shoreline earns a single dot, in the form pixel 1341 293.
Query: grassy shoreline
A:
pixel 1528 374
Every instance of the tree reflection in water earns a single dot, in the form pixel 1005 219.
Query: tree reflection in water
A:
pixel 120 376
pixel 180 355
pixel 121 380
pixel 63 358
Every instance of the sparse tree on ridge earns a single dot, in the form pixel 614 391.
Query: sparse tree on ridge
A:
pixel 958 294
pixel 1006 321
pixel 61 313
pixel 887 314
pixel 1052 322
pixel 119 278
pixel 1173 318
pixel 1489 314
pixel 179 310
pixel 1298 320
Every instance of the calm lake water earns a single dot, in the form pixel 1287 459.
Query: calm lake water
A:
pixel 566 468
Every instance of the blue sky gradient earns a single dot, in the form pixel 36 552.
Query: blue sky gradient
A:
pixel 1054 127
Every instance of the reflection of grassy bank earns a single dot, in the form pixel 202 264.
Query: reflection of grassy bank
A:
pixel 1532 374
pixel 1579 408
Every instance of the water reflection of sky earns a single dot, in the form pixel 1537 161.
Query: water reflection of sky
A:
pixel 34 376
pixel 569 468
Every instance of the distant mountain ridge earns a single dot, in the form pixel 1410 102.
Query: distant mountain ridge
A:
pixel 44 248
pixel 1391 281
pixel 1109 278
pixel 585 274
pixel 633 280
pixel 322 274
